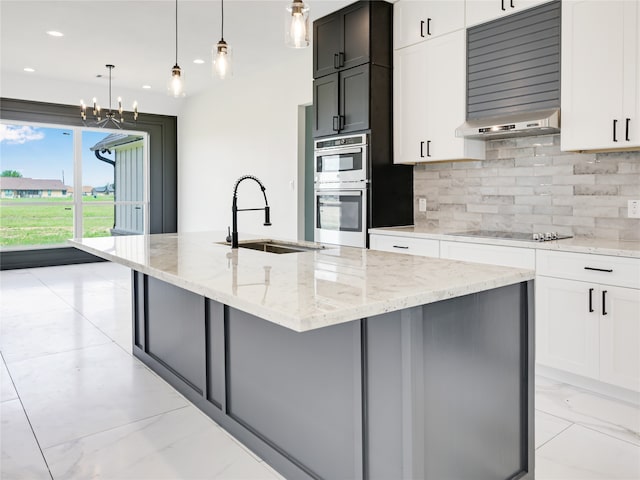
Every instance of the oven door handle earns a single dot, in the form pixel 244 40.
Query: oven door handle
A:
pixel 337 151
pixel 342 193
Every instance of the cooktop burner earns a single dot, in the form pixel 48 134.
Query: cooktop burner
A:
pixel 532 237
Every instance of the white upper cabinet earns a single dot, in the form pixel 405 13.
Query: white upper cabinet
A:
pixel 600 75
pixel 429 101
pixel 481 11
pixel 418 20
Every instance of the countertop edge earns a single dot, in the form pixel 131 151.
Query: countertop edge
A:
pixel 314 322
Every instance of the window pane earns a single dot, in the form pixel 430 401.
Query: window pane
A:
pixel 112 171
pixel 27 223
pixel 36 166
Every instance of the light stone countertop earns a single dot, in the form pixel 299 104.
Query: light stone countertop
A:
pixel 596 246
pixel 301 291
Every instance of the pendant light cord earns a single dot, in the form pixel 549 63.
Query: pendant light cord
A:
pixel 176 32
pixel 222 20
pixel 110 68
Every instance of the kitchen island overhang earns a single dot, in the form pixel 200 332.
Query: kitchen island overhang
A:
pixel 341 363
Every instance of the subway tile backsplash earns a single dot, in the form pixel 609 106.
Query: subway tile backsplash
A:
pixel 527 184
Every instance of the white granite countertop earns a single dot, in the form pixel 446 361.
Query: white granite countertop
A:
pixel 301 291
pixel 596 246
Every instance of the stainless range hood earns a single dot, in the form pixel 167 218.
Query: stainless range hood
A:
pixel 523 124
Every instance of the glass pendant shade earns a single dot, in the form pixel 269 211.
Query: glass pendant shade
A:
pixel 222 60
pixel 297 25
pixel 175 86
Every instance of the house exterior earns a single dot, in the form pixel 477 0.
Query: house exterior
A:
pixel 128 178
pixel 22 187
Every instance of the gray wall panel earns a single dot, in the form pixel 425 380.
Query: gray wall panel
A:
pixel 513 63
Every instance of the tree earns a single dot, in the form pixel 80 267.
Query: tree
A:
pixel 10 173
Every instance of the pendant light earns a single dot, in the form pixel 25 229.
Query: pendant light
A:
pixel 297 25
pixel 175 86
pixel 222 53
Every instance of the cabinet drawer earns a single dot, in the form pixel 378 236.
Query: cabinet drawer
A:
pixel 490 254
pixel 603 269
pixel 410 246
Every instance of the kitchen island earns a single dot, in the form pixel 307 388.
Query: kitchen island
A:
pixel 341 363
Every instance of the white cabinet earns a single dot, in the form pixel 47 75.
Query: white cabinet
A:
pixel 566 331
pixel 481 11
pixel 490 254
pixel 418 20
pixel 588 328
pixel 407 245
pixel 429 102
pixel 600 75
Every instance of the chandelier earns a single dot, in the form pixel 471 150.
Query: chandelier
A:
pixel 116 117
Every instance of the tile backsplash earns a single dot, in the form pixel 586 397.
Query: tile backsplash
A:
pixel 528 185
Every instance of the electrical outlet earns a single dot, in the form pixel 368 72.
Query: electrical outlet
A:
pixel 422 204
pixel 633 209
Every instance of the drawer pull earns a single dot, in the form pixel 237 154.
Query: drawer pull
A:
pixel 401 246
pixel 608 270
pixel 591 300
pixel 604 302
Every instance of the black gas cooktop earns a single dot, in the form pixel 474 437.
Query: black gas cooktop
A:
pixel 531 237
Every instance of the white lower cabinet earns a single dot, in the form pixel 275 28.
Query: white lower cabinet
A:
pixel 490 254
pixel 407 245
pixel 585 327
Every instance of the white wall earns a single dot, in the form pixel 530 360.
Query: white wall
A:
pixel 243 126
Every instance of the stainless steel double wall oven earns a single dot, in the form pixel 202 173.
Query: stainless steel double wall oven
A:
pixel 341 181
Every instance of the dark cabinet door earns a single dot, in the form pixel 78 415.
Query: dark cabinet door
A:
pixel 327 42
pixel 341 40
pixel 354 99
pixel 355 35
pixel 326 119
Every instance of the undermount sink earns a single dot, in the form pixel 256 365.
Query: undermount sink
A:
pixel 275 246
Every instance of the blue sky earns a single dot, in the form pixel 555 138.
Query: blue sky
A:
pixel 39 152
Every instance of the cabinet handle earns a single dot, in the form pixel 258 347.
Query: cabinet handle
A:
pixel 608 270
pixel 336 65
pixel 421 149
pixel 615 126
pixel 428 148
pixel 341 122
pixel 626 130
pixel 428 26
pixel 340 59
pixel 422 28
pixel 591 300
pixel 604 304
pixel 336 124
pixel 512 5
pixel 401 246
pixel 502 6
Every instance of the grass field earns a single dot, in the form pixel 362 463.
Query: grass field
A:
pixel 24 222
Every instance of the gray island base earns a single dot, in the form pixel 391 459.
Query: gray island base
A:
pixel 341 363
pixel 441 391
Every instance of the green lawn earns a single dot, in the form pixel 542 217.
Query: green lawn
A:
pixel 24 222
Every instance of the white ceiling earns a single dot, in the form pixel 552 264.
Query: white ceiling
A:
pixel 138 37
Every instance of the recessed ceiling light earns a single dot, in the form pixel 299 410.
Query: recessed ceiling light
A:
pixel 28 69
pixel 146 87
pixel 198 61
pixel 54 33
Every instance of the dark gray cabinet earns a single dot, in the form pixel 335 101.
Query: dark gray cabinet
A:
pixel 341 102
pixel 341 40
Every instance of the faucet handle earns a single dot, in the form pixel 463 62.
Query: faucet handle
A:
pixel 267 216
pixel 228 239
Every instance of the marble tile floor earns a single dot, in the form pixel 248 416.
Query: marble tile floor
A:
pixel 75 404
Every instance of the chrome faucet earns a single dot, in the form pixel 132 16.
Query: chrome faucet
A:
pixel 233 237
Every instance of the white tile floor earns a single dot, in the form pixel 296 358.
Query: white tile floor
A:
pixel 77 404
